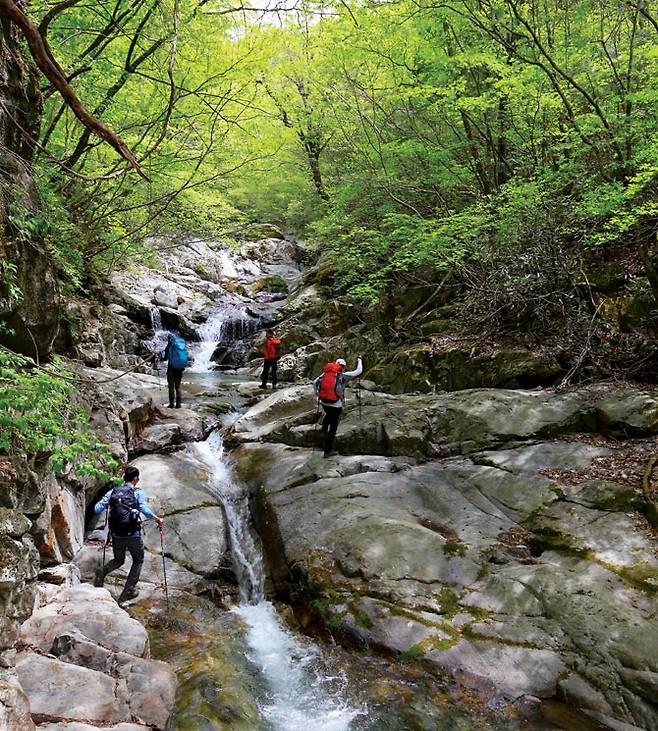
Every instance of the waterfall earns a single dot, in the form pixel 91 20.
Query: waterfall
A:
pixel 158 340
pixel 301 694
pixel 247 557
pixel 210 334
pixel 226 325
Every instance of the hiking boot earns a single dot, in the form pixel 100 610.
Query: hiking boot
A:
pixel 170 406
pixel 330 454
pixel 178 406
pixel 99 579
pixel 128 594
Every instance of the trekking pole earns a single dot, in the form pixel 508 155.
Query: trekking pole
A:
pixel 315 428
pixel 358 398
pixel 107 510
pixel 164 568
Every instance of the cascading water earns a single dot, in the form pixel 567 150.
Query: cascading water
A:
pixel 210 333
pixel 300 697
pixel 158 340
pixel 227 325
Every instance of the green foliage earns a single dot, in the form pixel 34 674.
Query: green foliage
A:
pixel 490 141
pixel 37 416
pixel 415 652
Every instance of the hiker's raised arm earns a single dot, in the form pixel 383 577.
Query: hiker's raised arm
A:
pixel 356 372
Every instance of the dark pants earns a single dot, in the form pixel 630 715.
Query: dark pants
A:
pixel 174 377
pixel 268 366
pixel 330 425
pixel 135 547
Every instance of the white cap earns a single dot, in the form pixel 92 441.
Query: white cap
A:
pixel 342 362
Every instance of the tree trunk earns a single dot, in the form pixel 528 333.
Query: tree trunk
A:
pixel 32 317
pixel 649 268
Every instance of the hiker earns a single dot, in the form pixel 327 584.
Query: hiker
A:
pixel 271 351
pixel 126 503
pixel 330 390
pixel 177 359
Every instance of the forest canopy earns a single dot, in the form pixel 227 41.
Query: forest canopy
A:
pixel 499 138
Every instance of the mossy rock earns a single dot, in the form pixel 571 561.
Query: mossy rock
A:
pixel 275 284
pixel 260 231
pixel 435 327
pixel 605 277
pixel 627 314
pixel 424 368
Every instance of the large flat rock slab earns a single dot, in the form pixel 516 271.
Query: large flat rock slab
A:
pixel 91 612
pixel 483 565
pixel 60 690
pixel 449 423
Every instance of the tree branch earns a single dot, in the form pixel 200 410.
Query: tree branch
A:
pixel 47 64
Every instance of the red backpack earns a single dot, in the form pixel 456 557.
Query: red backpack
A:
pixel 331 385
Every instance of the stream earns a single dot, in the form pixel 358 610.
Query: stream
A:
pixel 245 666
pixel 300 694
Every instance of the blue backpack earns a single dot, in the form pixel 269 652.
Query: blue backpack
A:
pixel 178 355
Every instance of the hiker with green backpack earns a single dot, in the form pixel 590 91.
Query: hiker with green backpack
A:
pixel 177 359
pixel 126 503
pixel 330 390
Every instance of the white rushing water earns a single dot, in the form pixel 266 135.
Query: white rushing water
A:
pixel 158 341
pixel 301 695
pixel 210 333
pixel 226 324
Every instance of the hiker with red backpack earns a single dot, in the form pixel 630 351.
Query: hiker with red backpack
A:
pixel 330 390
pixel 177 359
pixel 272 348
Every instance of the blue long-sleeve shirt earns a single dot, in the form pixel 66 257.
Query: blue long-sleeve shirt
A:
pixel 141 504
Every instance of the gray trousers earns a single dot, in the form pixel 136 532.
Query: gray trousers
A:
pixel 135 546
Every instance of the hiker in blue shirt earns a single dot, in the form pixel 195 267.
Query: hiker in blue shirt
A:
pixel 126 503
pixel 177 358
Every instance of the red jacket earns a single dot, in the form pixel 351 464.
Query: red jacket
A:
pixel 270 348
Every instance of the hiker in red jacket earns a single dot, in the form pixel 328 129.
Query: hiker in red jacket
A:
pixel 271 350
pixel 330 389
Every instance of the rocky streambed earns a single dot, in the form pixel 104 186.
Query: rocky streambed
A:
pixel 477 559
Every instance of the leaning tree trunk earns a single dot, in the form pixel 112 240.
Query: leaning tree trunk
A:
pixel 29 294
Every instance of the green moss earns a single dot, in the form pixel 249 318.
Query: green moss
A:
pixel 454 548
pixel 276 284
pixel 449 602
pixel 252 464
pixel 415 652
pixel 360 617
pixel 436 642
pixel 478 613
